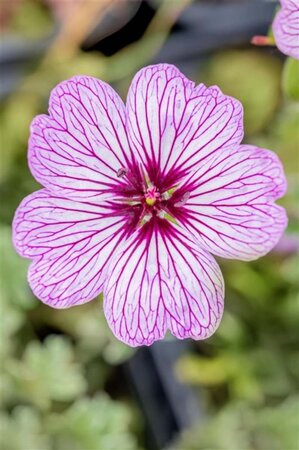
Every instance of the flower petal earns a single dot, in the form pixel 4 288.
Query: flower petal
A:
pixel 69 242
pixel 159 280
pixel 286 28
pixel 78 149
pixel 231 206
pixel 174 125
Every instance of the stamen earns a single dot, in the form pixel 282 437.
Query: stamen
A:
pixel 183 200
pixel 161 214
pixel 168 194
pixel 165 196
pixel 151 196
pixel 165 215
pixel 122 172
pixel 146 218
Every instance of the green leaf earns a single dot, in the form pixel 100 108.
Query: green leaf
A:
pixel 240 426
pixel 13 274
pixel 93 424
pixel 246 280
pixel 47 372
pixel 6 388
pixel 232 330
pixel 280 425
pixel 13 289
pixel 207 371
pixel 10 321
pixel 290 79
pixel 22 430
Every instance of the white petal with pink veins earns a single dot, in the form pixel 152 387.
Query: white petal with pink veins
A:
pixel 160 280
pixel 173 124
pixel 69 242
pixel 231 206
pixel 78 149
pixel 286 28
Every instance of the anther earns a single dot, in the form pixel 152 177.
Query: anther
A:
pixel 151 196
pixel 183 200
pixel 122 172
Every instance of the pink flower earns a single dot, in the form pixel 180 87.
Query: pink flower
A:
pixel 137 197
pixel 286 28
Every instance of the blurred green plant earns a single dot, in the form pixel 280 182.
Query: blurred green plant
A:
pixel 47 372
pixel 12 293
pixel 22 429
pixel 290 79
pixel 15 297
pixel 241 426
pixel 97 423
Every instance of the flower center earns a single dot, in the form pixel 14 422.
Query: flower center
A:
pixel 151 196
pixel 143 201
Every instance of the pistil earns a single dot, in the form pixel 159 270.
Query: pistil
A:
pixel 151 196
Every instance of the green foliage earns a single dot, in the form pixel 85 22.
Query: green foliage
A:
pixel 22 430
pixel 90 423
pixel 13 267
pixel 290 79
pixel 47 373
pixel 240 426
pixel 97 423
pixel 14 297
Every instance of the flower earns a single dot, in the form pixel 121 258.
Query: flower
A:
pixel 137 196
pixel 286 28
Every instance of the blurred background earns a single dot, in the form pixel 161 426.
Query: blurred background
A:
pixel 66 383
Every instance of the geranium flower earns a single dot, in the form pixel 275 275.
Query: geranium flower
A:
pixel 286 28
pixel 137 197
